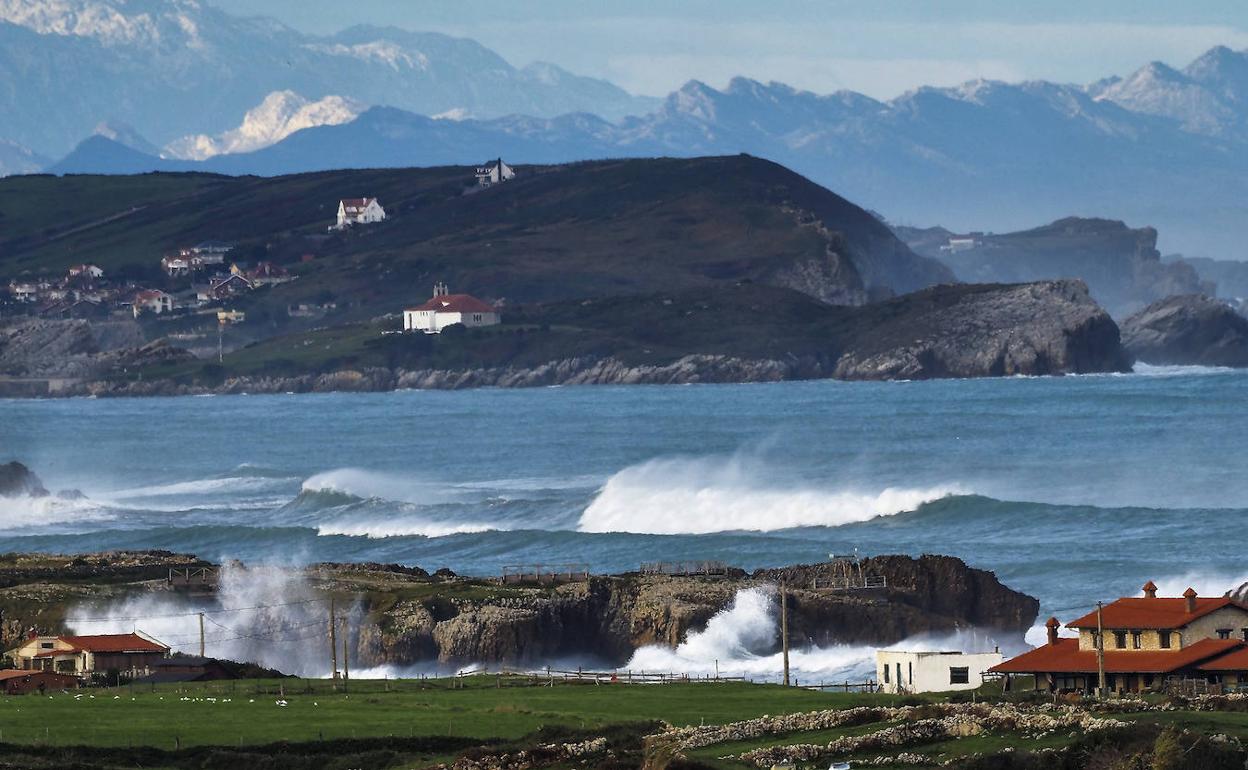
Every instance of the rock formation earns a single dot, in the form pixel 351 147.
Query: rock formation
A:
pixel 1188 329
pixel 1049 327
pixel 16 480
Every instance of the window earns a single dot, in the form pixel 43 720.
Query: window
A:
pixel 1245 632
pixel 1224 633
pixel 959 675
pixel 45 645
pixel 476 317
pixel 1135 639
pixel 886 679
pixel 1163 639
pixel 1120 640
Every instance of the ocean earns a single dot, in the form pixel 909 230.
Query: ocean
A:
pixel 1071 489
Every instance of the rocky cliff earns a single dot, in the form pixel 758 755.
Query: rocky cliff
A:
pixel 404 616
pixel 743 333
pixel 608 618
pixel 1048 327
pixel 1120 264
pixel 1189 329
pixel 75 348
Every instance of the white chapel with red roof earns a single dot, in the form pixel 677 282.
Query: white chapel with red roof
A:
pixel 446 309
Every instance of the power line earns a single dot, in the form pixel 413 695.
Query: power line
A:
pixel 207 612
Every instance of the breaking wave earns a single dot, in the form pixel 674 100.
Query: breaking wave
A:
pixel 1174 370
pixel 366 484
pixel 700 496
pixel 742 640
pixel 25 513
pixel 400 527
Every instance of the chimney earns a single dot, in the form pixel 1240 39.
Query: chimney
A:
pixel 1189 602
pixel 1150 590
pixel 1052 624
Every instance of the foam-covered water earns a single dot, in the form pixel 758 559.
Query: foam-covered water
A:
pixel 1072 489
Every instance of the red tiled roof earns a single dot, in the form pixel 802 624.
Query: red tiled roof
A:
pixel 356 205
pixel 1236 660
pixel 114 643
pixel 1141 612
pixel 457 303
pixel 1065 657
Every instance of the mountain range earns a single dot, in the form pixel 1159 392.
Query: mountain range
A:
pixel 1162 147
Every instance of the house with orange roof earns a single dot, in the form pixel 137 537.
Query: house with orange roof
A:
pixel 446 309
pixel 1140 643
pixel 130 655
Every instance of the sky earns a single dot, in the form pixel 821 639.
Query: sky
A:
pixel 878 47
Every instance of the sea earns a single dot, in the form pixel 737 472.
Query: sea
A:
pixel 1072 489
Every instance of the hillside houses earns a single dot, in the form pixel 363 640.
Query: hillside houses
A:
pixel 358 211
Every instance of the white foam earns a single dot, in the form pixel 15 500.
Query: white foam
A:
pixel 741 639
pixel 1153 370
pixel 29 513
pixel 380 528
pixel 702 495
pixel 1204 583
pixel 199 487
pixel 366 484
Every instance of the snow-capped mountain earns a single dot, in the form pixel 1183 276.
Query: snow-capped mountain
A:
pixel 280 114
pixel 179 68
pixel 1209 96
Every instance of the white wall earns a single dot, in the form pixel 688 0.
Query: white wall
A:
pixel 914 672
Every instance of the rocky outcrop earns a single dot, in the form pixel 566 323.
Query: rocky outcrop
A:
pixel 75 348
pixel 1045 328
pixel 610 617
pixel 1120 264
pixel 1188 329
pixel 16 480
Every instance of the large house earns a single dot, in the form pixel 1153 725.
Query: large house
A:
pixel 151 301
pixel 447 309
pixel 358 211
pixel 1143 642
pixel 128 654
pixel 494 173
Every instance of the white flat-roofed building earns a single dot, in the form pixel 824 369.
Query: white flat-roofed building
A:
pixel 901 671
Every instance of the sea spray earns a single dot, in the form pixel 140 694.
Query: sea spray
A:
pixel 742 640
pixel 265 615
pixel 689 495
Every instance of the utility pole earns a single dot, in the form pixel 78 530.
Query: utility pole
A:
pixel 333 641
pixel 1100 653
pixel 346 653
pixel 784 629
pixel 201 635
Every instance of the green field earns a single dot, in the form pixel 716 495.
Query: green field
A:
pixel 415 723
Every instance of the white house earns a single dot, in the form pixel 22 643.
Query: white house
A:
pixel 494 173
pixel 446 309
pixel 358 211
pixel 956 245
pixel 24 292
pixel 175 265
pixel 152 301
pixel 899 671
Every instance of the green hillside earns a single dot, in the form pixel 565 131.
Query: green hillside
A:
pixel 554 233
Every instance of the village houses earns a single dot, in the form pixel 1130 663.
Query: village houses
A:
pixel 903 671
pixel 358 211
pixel 1143 643
pixel 494 173
pixel 446 309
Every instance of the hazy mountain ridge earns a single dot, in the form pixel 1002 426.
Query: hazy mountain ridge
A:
pixel 179 67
